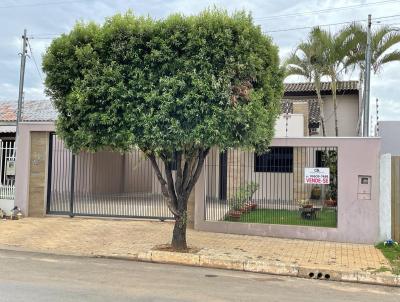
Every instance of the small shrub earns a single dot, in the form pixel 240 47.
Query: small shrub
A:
pixel 243 195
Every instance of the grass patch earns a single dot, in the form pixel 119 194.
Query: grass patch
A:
pixel 392 253
pixel 324 218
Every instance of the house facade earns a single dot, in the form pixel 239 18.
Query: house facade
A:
pixel 348 107
pixel 51 180
pixel 132 173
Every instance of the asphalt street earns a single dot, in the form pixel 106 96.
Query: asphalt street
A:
pixel 41 277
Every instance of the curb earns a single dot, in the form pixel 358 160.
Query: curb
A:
pixel 253 266
pixel 265 267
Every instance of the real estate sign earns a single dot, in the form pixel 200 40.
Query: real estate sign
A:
pixel 316 176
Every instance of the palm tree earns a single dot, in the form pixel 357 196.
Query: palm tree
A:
pixel 334 53
pixel 382 39
pixel 304 62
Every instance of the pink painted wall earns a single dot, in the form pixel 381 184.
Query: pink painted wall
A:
pixel 23 161
pixel 358 220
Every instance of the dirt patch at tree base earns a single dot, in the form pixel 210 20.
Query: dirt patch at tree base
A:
pixel 169 248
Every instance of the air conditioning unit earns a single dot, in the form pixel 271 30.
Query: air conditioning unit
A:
pixel 314 128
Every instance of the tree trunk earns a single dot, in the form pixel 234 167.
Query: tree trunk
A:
pixel 178 191
pixel 333 86
pixel 321 106
pixel 361 105
pixel 178 242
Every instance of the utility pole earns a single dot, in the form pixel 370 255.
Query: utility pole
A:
pixel 21 81
pixel 377 117
pixel 367 80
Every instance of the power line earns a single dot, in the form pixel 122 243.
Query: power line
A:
pixel 387 17
pixel 308 27
pixel 34 60
pixel 329 24
pixel 40 4
pixel 327 10
pixel 50 36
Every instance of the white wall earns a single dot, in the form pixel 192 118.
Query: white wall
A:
pixel 294 127
pixel 347 113
pixel 385 198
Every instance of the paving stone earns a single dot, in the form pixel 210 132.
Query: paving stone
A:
pixel 90 236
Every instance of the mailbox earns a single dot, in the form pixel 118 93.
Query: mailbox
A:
pixel 364 187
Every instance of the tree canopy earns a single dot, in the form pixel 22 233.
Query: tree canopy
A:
pixel 173 88
pixel 206 80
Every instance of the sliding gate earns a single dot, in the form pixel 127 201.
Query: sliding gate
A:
pixel 106 183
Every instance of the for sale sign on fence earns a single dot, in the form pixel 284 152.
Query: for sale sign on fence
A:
pixel 316 176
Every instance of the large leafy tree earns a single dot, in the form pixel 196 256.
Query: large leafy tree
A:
pixel 173 88
pixel 307 61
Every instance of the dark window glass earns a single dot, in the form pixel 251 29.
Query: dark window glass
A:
pixel 319 162
pixel 277 159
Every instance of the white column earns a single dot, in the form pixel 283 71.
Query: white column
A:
pixel 385 199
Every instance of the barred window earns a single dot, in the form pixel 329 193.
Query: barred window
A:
pixel 276 159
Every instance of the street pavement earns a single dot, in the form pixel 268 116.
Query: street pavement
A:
pixel 27 276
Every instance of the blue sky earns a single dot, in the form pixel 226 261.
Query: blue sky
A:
pixel 45 19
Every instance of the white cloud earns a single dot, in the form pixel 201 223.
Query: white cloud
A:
pixel 55 19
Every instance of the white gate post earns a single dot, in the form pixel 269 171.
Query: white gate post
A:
pixel 385 200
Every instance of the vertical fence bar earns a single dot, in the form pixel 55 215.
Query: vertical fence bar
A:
pixel 49 172
pixel 71 198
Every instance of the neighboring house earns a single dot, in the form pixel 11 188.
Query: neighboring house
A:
pixel 32 111
pixel 37 111
pixel 389 133
pixel 301 98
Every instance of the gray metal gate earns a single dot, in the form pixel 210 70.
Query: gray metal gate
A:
pixel 108 184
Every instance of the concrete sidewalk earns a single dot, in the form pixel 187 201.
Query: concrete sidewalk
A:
pixel 136 240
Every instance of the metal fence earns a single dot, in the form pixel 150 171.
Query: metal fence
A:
pixel 271 188
pixel 7 170
pixel 104 183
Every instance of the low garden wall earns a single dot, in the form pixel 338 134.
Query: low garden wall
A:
pixel 357 213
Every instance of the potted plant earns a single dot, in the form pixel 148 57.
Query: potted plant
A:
pixel 234 215
pixel 252 205
pixel 305 203
pixel 235 210
pixel 329 201
pixel 245 193
pixel 241 202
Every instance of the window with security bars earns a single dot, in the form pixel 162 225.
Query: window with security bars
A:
pixel 276 159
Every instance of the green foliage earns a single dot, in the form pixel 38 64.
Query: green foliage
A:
pixel 383 39
pixel 392 253
pixel 325 218
pixel 307 61
pixel 168 85
pixel 329 158
pixel 243 195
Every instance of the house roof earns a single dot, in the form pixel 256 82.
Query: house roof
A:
pixel 313 108
pixel 39 111
pixel 308 88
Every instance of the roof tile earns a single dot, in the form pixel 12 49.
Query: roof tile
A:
pixel 42 110
pixel 325 86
